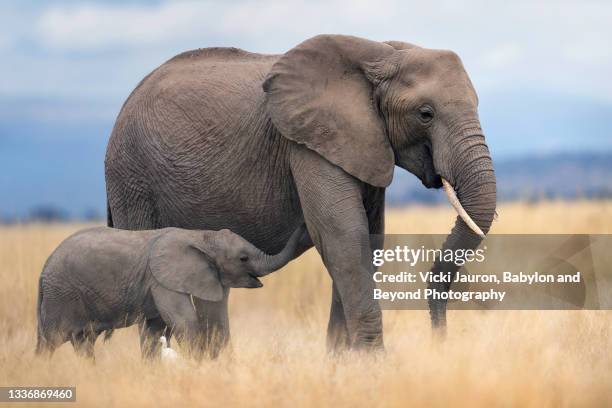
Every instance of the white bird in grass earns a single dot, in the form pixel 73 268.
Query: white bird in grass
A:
pixel 167 354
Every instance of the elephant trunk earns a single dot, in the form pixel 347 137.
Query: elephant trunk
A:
pixel 266 264
pixel 468 172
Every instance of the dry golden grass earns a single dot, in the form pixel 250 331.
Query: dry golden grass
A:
pixel 278 355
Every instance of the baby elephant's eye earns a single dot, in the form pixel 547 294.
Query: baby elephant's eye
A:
pixel 244 258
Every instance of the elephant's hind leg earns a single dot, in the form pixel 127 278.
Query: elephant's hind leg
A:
pixel 47 342
pixel 130 202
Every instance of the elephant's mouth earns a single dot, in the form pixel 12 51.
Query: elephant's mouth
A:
pixel 430 179
pixel 254 282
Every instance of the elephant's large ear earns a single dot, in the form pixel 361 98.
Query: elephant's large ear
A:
pixel 318 94
pixel 179 266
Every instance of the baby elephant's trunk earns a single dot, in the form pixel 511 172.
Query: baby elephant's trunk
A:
pixel 266 264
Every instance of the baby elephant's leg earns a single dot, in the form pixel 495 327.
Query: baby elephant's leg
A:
pixel 213 317
pixel 178 312
pixel 48 343
pixel 150 331
pixel 83 343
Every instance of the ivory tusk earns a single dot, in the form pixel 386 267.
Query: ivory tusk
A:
pixel 193 303
pixel 454 201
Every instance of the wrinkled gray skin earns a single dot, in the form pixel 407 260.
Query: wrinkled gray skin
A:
pixel 224 138
pixel 103 278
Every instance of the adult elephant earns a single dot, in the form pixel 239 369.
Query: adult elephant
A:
pixel 223 138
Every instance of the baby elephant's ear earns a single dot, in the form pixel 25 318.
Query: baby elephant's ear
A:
pixel 178 265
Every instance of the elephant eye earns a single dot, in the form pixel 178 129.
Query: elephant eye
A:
pixel 426 114
pixel 244 258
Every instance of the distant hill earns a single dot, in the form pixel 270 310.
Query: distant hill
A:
pixel 559 176
pixel 581 175
pixel 56 170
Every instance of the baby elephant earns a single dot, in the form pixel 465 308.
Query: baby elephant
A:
pixel 103 278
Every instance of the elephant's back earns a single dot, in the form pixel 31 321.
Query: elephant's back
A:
pixel 96 255
pixel 210 72
pixel 198 97
pixel 222 55
pixel 214 80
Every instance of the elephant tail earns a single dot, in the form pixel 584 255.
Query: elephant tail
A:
pixel 109 216
pixel 108 334
pixel 40 339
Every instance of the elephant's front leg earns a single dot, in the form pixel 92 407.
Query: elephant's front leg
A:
pixel 150 331
pixel 214 324
pixel 333 206
pixel 337 332
pixel 178 311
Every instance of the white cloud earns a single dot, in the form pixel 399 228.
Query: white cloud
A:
pixel 502 56
pixel 94 26
pixel 557 46
pixel 589 48
pixel 91 27
pixel 5 42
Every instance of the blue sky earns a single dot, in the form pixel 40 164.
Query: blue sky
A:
pixel 542 71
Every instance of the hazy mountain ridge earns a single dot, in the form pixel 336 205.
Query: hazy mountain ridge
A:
pixel 563 175
pixel 55 170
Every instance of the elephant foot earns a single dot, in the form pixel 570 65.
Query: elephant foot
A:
pixel 365 333
pixel 337 340
pixel 437 312
pixel 439 334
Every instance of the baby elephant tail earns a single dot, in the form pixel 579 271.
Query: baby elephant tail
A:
pixel 108 334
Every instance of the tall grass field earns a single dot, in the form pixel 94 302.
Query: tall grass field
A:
pixel 278 355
